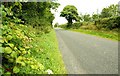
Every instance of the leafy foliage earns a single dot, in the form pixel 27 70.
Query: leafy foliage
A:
pixel 17 50
pixel 109 23
pixel 86 18
pixel 108 19
pixel 17 38
pixel 56 25
pixel 40 17
pixel 70 13
pixel 76 25
pixel 110 11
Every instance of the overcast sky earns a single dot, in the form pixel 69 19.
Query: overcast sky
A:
pixel 83 6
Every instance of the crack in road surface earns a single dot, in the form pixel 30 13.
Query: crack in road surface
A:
pixel 86 54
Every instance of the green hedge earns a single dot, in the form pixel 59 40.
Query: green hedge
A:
pixel 108 23
pixel 63 26
pixel 76 25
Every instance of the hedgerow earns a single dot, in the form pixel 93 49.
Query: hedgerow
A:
pixel 17 40
pixel 109 23
pixel 16 48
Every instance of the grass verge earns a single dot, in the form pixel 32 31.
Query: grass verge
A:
pixel 49 54
pixel 104 34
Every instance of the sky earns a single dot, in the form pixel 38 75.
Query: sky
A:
pixel 83 6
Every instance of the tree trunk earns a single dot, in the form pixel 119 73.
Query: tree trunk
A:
pixel 69 23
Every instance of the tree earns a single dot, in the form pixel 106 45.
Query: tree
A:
pixel 105 13
pixel 56 25
pixel 110 11
pixel 70 13
pixel 41 16
pixel 86 17
pixel 95 17
pixel 119 8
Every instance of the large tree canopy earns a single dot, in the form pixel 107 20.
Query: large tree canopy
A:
pixel 70 13
pixel 110 11
pixel 41 12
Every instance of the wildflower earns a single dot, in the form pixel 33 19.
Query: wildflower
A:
pixel 49 71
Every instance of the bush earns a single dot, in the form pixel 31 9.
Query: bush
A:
pixel 63 25
pixel 76 25
pixel 85 23
pixel 16 48
pixel 90 26
pixel 108 23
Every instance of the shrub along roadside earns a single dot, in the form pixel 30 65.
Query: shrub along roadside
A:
pixel 27 51
pixel 21 48
pixel 49 54
pixel 108 23
pixel 75 25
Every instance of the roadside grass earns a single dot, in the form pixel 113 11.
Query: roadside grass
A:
pixel 44 51
pixel 49 54
pixel 104 34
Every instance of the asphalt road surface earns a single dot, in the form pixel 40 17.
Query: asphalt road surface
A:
pixel 87 54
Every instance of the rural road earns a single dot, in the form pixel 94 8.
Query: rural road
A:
pixel 87 54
